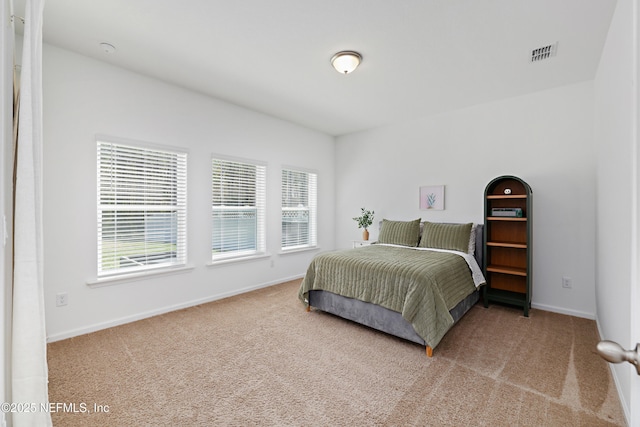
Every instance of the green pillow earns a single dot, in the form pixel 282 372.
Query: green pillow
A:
pixel 454 237
pixel 406 233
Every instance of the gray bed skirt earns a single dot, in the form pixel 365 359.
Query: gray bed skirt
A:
pixel 386 320
pixel 378 317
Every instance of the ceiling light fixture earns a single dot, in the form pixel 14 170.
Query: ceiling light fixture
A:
pixel 346 61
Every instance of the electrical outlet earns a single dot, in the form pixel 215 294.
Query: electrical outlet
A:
pixel 566 282
pixel 62 299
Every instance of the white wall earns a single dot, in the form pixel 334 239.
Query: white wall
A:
pixel 83 97
pixel 614 93
pixel 545 138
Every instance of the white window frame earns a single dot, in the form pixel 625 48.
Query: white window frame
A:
pixel 306 211
pixel 244 248
pixel 161 198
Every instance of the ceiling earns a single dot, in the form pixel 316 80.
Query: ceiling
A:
pixel 420 57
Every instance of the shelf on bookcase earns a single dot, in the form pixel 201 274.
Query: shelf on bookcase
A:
pixel 514 271
pixel 508 245
pixel 506 196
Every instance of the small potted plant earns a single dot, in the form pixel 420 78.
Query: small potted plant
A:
pixel 364 221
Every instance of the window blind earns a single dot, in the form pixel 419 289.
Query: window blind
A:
pixel 299 200
pixel 238 208
pixel 142 208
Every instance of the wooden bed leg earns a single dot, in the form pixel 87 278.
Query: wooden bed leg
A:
pixel 308 308
pixel 429 351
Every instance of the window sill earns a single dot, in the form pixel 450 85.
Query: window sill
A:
pixel 233 260
pixel 298 250
pixel 128 277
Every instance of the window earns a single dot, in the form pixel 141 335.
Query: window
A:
pixel 237 208
pixel 142 208
pixel 298 209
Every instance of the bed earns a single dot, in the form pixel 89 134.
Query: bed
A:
pixel 415 282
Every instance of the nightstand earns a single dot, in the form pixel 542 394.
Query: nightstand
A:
pixel 361 243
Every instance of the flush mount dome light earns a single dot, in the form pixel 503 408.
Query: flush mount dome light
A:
pixel 346 61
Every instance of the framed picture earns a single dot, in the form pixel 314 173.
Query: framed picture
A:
pixel 432 197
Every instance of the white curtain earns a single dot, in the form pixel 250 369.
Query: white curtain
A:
pixel 29 349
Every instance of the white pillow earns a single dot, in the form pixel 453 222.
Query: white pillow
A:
pixel 472 240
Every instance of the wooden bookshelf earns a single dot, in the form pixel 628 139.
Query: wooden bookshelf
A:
pixel 507 243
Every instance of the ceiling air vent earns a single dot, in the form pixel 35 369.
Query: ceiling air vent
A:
pixel 544 52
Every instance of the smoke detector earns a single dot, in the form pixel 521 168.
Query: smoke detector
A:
pixel 107 48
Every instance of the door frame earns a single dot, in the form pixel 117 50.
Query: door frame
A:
pixel 634 331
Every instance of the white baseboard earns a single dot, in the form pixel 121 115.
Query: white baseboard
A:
pixel 560 310
pixel 128 319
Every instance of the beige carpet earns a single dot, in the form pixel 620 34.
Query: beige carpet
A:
pixel 261 359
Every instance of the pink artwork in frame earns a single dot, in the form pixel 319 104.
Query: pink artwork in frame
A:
pixel 432 197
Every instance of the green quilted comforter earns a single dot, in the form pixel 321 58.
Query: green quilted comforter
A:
pixel 422 285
